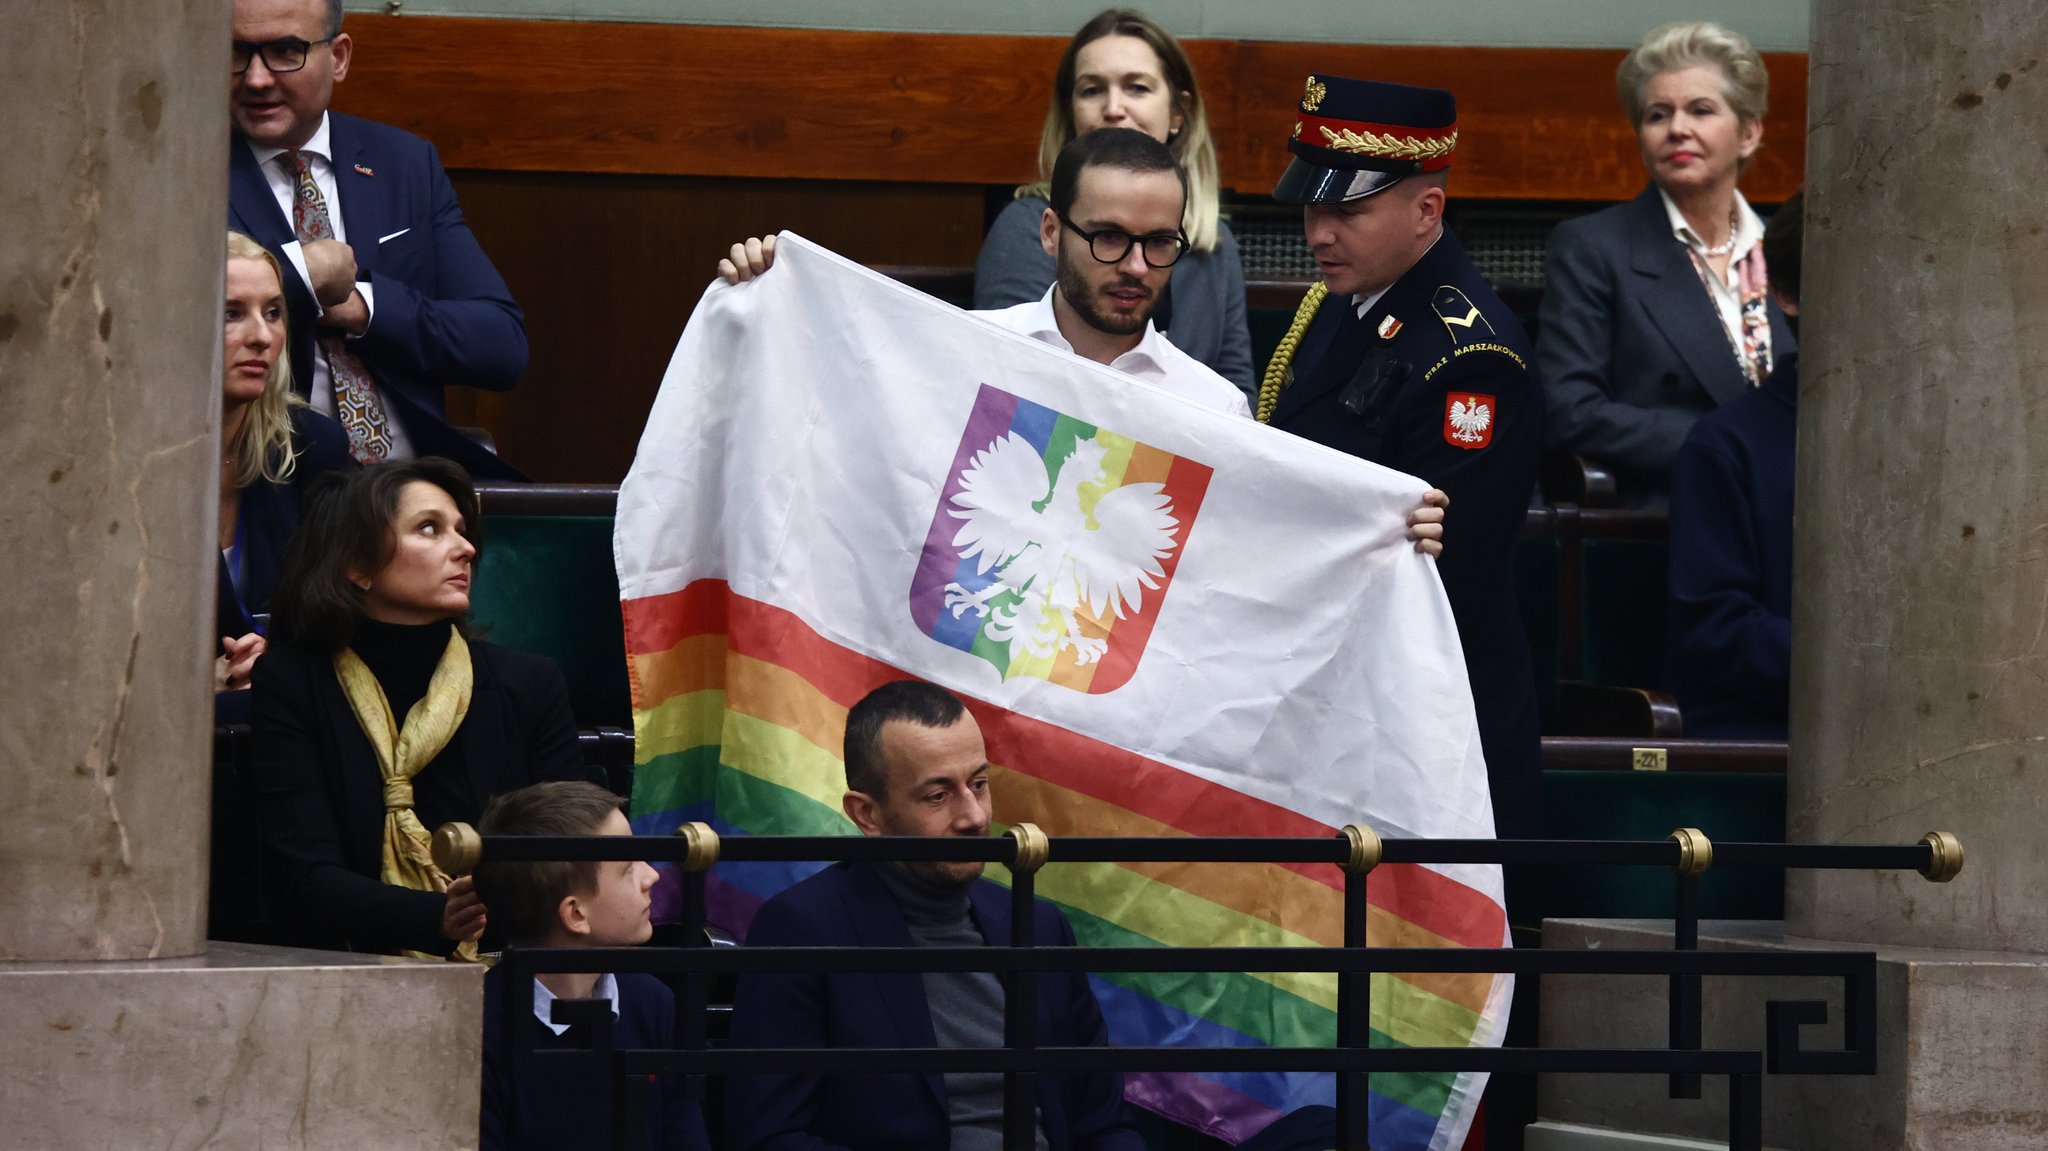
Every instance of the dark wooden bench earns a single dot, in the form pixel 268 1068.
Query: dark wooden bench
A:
pixel 1588 753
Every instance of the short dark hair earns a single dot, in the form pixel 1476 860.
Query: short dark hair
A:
pixel 333 18
pixel 1125 148
pixel 910 700
pixel 524 899
pixel 1782 238
pixel 346 522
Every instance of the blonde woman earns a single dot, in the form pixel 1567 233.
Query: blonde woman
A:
pixel 272 446
pixel 1657 310
pixel 1122 70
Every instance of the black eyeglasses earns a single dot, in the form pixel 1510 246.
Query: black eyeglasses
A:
pixel 1110 246
pixel 286 55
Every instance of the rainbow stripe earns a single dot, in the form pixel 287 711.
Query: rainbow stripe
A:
pixel 1053 435
pixel 739 708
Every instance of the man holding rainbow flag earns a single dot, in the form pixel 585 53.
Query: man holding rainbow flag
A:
pixel 1164 619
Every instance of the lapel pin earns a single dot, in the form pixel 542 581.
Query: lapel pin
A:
pixel 364 170
pixel 1389 328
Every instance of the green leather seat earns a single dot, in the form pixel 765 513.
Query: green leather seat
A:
pixel 1732 807
pixel 546 584
pixel 1622 609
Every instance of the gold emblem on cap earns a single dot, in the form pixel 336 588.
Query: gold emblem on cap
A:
pixel 1390 146
pixel 1313 98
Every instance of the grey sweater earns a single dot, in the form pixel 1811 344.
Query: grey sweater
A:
pixel 1208 321
pixel 967 1006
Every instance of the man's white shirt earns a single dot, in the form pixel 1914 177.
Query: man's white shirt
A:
pixel 1155 360
pixel 606 988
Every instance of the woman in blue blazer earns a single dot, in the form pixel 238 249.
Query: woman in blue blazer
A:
pixel 272 448
pixel 1657 310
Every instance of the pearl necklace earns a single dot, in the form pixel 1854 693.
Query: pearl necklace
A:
pixel 1725 246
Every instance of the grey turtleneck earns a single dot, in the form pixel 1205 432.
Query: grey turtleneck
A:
pixel 967 1006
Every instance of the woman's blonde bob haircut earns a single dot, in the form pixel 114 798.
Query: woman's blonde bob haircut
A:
pixel 1675 47
pixel 1192 145
pixel 262 449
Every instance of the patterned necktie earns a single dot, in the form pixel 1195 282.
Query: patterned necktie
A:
pixel 357 403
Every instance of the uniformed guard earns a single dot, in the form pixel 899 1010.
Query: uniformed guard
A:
pixel 1403 355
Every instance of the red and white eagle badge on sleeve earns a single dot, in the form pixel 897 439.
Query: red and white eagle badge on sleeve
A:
pixel 1468 420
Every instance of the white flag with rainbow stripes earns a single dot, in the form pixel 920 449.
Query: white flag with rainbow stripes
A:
pixel 1167 620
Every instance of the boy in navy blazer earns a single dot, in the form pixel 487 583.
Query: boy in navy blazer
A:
pixel 915 765
pixel 387 287
pixel 573 905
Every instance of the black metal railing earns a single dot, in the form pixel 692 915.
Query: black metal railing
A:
pixel 1357 851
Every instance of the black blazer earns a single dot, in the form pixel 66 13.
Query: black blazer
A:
pixel 320 797
pixel 1630 345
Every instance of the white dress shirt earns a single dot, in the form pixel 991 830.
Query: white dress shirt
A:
pixel 1363 302
pixel 1726 290
pixel 278 172
pixel 1155 360
pixel 606 989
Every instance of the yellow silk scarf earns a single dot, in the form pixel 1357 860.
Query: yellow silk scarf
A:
pixel 403 752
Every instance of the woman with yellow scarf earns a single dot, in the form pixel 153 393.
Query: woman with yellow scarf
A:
pixel 378 718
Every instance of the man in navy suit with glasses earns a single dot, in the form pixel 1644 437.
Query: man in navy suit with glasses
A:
pixel 391 298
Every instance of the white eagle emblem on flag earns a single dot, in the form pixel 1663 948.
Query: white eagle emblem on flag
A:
pixel 1057 547
pixel 1470 419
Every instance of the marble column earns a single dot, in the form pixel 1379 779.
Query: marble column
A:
pixel 119 1027
pixel 1920 674
pixel 110 273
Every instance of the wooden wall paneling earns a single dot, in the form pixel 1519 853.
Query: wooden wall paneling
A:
pixel 1533 124
pixel 678 99
pixel 604 166
pixel 608 269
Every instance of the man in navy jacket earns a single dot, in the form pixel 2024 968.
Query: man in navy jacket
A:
pixel 1731 538
pixel 915 765
pixel 401 285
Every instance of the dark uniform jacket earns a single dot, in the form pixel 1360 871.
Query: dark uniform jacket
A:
pixel 1437 380
pixel 1631 346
